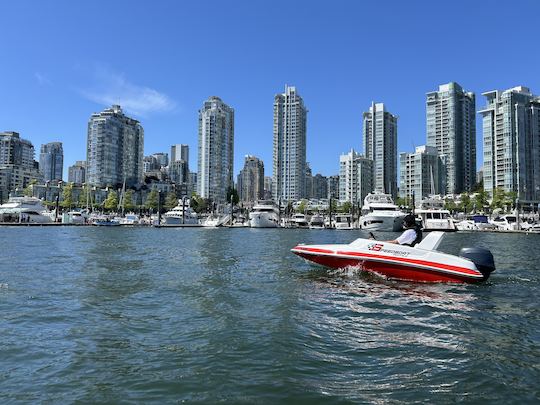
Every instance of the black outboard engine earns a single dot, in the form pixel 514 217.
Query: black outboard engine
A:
pixel 481 257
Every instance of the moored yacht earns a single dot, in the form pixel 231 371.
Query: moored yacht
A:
pixel 299 220
pixel 24 209
pixel 316 222
pixel 433 216
pixel 182 214
pixel 379 213
pixel 343 222
pixel 265 214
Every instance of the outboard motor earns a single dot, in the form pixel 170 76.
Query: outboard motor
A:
pixel 482 259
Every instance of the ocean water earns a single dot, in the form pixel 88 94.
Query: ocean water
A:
pixel 144 315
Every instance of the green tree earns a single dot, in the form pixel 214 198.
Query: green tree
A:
pixel 67 195
pixel 232 191
pixel 171 200
pixel 198 204
pixel 346 207
pixel 481 200
pixel 111 202
pixel 29 189
pixel 301 207
pixel 450 204
pixel 465 202
pixel 510 198
pixel 498 198
pixel 128 200
pixel 84 196
pixel 152 200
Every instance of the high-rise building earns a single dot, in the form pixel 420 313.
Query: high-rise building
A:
pixel 511 129
pixel 161 158
pixel 216 149
pixel 251 180
pixel 114 149
pixel 77 172
pixel 355 177
pixel 451 128
pixel 320 186
pixel 309 182
pixel 380 145
pixel 17 164
pixel 421 173
pixel 51 161
pixel 333 187
pixel 289 182
pixel 193 183
pixel 268 188
pixel 179 172
pixel 180 151
pixel 150 164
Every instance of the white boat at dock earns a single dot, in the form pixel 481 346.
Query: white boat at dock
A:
pixel 24 210
pixel 379 213
pixel 265 214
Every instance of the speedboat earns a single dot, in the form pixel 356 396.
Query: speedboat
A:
pixel 265 214
pixel 316 222
pixel 420 263
pixel 477 222
pixel 106 221
pixel 379 213
pixel 506 223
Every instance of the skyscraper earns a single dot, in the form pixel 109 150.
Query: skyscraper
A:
pixel 380 145
pixel 180 152
pixel 77 172
pixel 451 128
pixel 511 128
pixel 17 164
pixel 421 173
pixel 114 149
pixel 251 180
pixel 51 161
pixel 289 146
pixel 355 177
pixel 320 186
pixel 216 149
pixel 333 186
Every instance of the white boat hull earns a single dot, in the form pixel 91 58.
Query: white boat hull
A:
pixel 174 220
pixel 382 222
pixel 263 220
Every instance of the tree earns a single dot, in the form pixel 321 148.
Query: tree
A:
pixel 481 200
pixel 232 191
pixel 152 200
pixel 346 207
pixel 29 189
pixel 198 204
pixel 449 204
pixel 128 200
pixel 67 195
pixel 84 196
pixel 400 201
pixel 111 202
pixel 170 201
pixel 301 207
pixel 510 198
pixel 465 202
pixel 498 198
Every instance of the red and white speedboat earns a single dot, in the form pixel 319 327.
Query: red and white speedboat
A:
pixel 420 263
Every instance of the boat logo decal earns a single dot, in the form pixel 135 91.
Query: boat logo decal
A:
pixel 375 246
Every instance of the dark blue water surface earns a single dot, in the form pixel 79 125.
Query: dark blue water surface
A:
pixel 143 315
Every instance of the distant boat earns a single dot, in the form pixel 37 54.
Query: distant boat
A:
pixel 106 221
pixel 379 213
pixel 316 222
pixel 265 214
pixel 433 216
pixel 182 214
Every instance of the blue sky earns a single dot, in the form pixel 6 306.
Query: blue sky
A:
pixel 60 61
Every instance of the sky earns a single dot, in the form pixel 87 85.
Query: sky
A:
pixel 60 61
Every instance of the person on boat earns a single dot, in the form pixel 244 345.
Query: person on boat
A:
pixel 412 234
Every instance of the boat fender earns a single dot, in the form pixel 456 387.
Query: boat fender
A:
pixel 482 259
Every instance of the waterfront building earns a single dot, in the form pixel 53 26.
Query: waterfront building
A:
pixel 114 149
pixel 289 155
pixel 480 176
pixel 333 187
pixel 421 173
pixel 451 128
pixel 17 165
pixel 77 172
pixel 355 177
pixel 216 150
pixel 193 181
pixel 179 172
pixel 511 131
pixel 150 164
pixel 162 159
pixel 51 161
pixel 320 186
pixel 380 145
pixel 251 180
pixel 180 151
pixel 268 188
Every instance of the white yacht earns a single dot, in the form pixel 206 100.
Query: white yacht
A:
pixel 379 213
pixel 182 214
pixel 506 223
pixel 433 216
pixel 216 220
pixel 316 222
pixel 299 220
pixel 265 214
pixel 24 210
pixel 478 222
pixel 343 222
pixel 129 219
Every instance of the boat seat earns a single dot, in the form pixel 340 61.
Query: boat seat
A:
pixel 431 241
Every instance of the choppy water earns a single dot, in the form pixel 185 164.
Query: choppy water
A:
pixel 93 315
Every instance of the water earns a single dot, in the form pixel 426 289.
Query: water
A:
pixel 93 315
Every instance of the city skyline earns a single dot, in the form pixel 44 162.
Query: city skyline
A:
pixel 165 88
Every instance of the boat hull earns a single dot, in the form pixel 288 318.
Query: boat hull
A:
pixel 400 266
pixel 263 220
pixel 382 222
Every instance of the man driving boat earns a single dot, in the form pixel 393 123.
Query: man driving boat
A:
pixel 412 234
